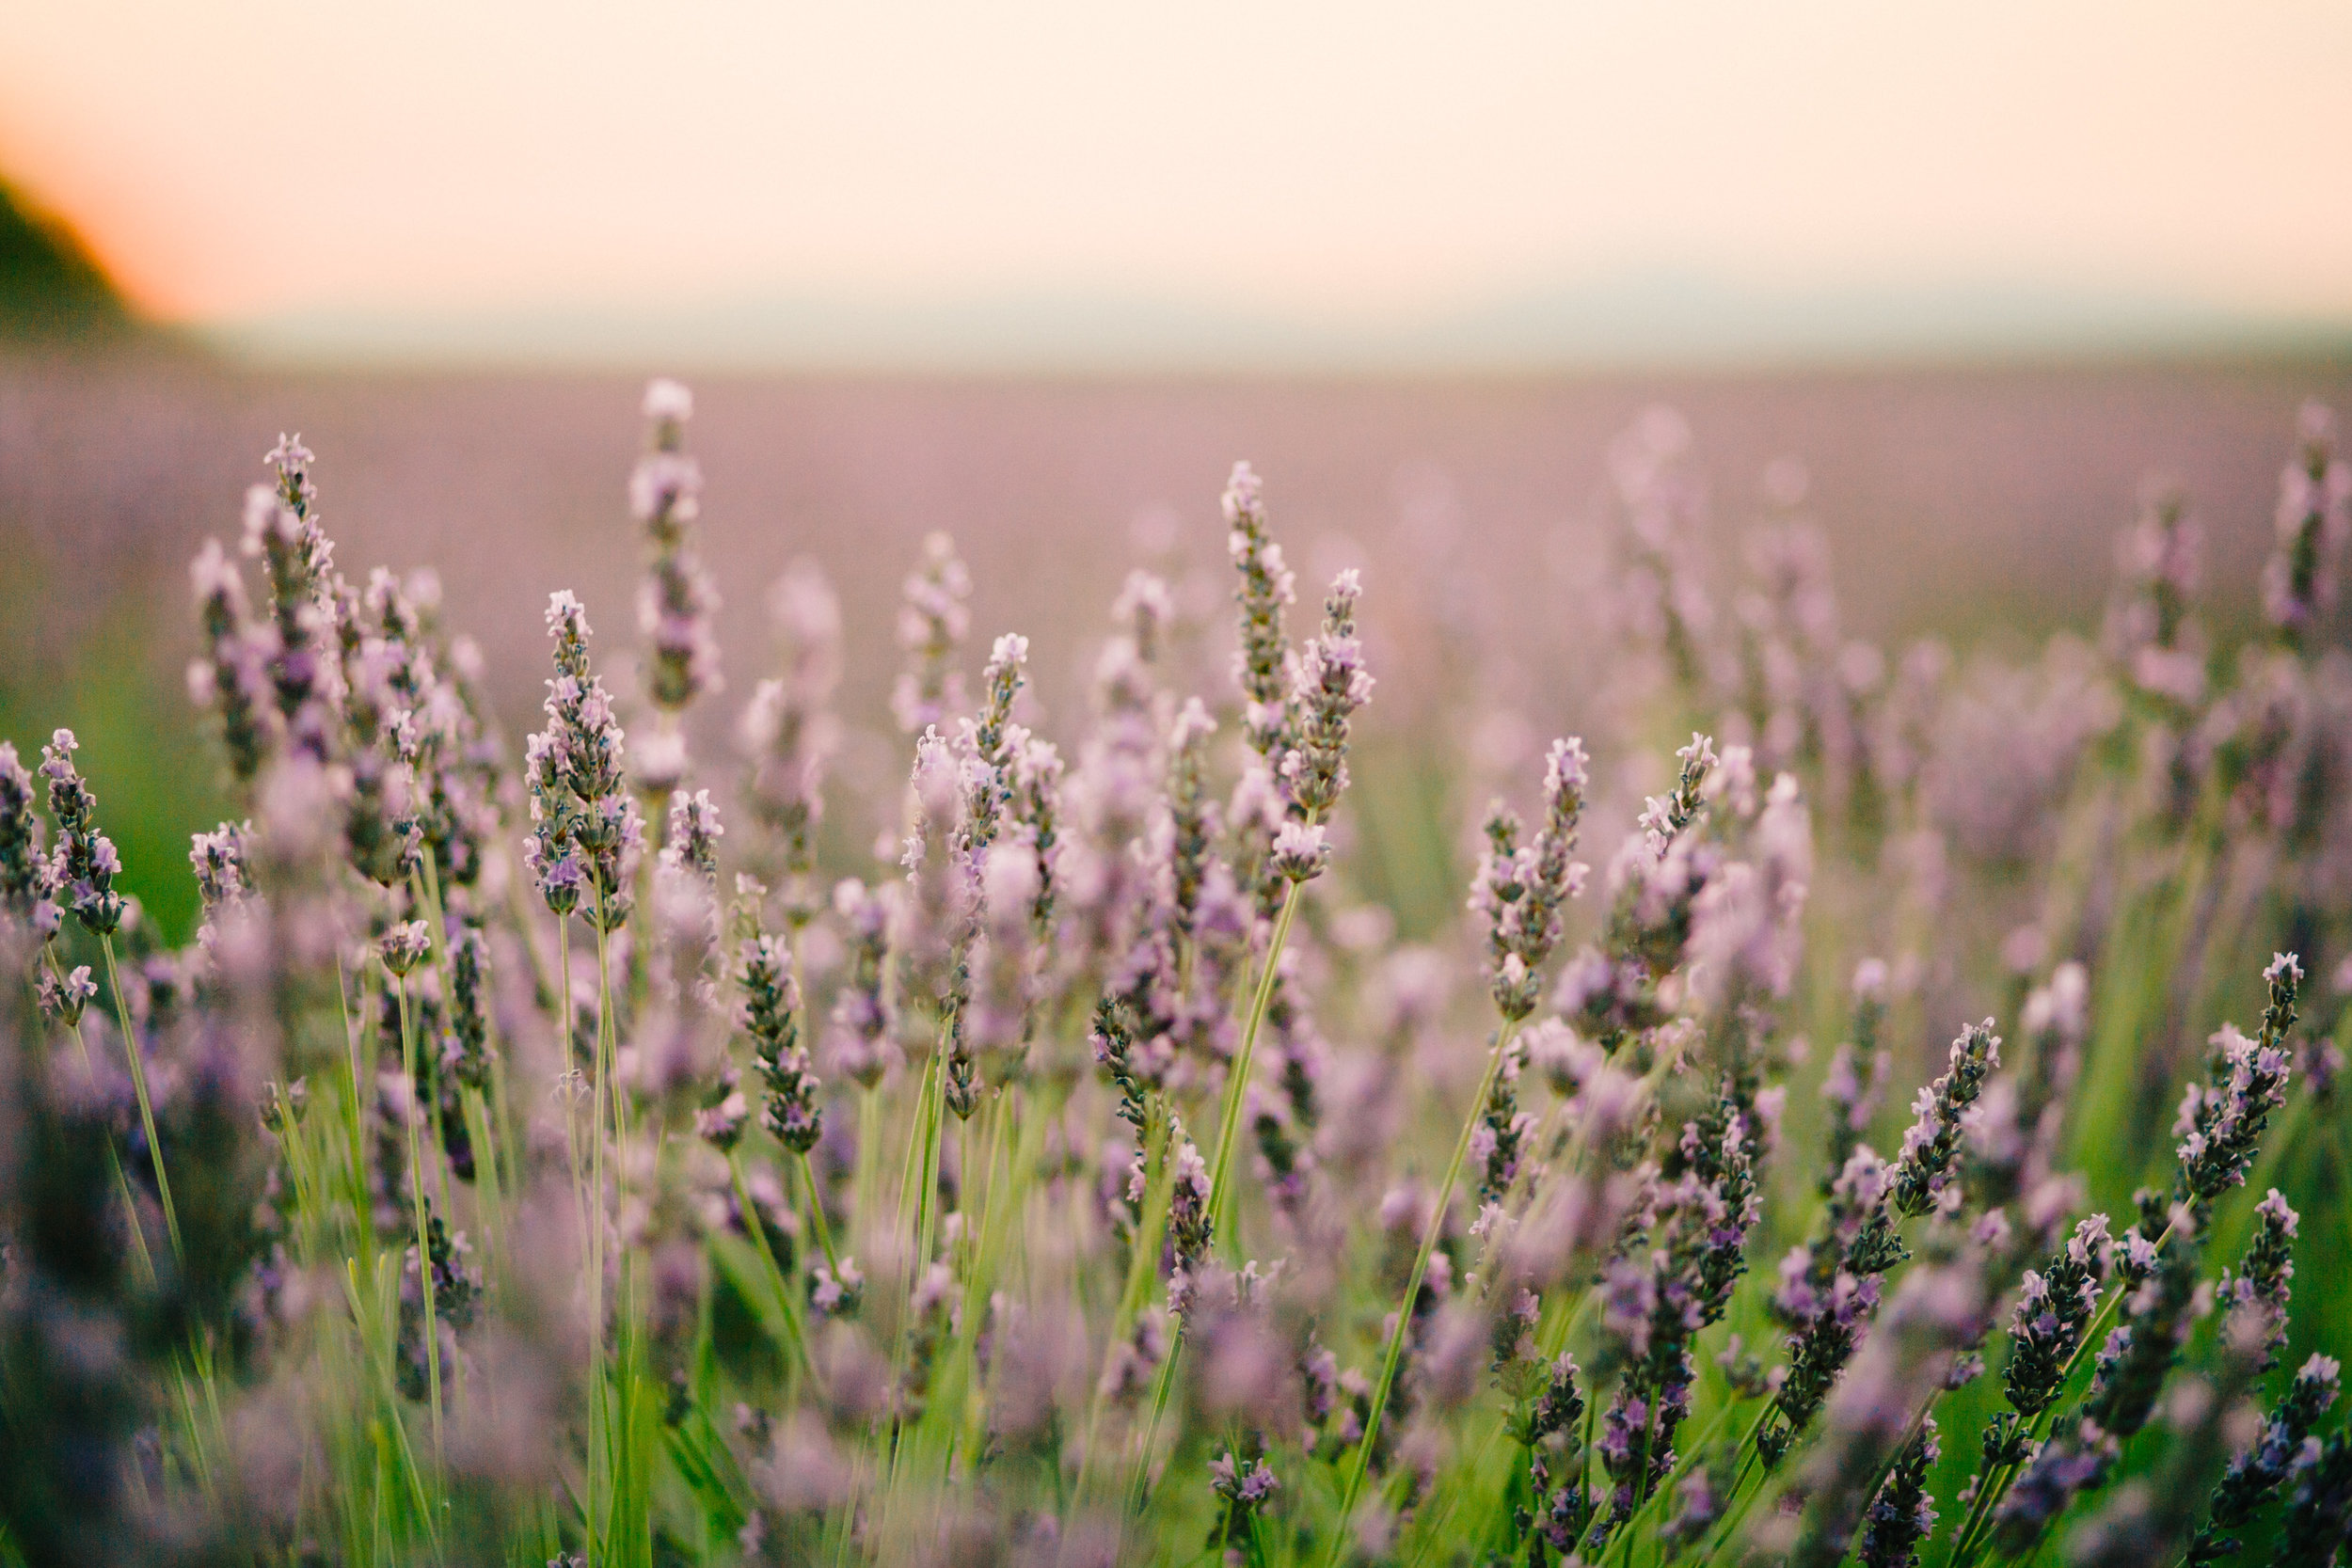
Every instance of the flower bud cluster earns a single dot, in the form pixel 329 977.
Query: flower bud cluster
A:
pixel 2254 1295
pixel 1521 889
pixel 2221 1120
pixel 772 1008
pixel 1856 1078
pixel 63 997
pixel 695 831
pixel 219 859
pixel 1190 1213
pixel 586 834
pixel 232 675
pixel 2258 1475
pixel 1828 1294
pixel 788 732
pixel 282 528
pixel 676 603
pixel 467 1053
pixel 859 1036
pixel 1266 589
pixel 2320 1507
pixel 2151 632
pixel 2055 1306
pixel 1923 1175
pixel 933 624
pixel 82 863
pixel 24 863
pixel 1902 1515
pixel 1331 683
pixel 1191 815
pixel 2314 520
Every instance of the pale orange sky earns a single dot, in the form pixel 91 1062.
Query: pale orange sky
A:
pixel 238 159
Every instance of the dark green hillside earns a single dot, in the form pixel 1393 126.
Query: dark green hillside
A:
pixel 49 286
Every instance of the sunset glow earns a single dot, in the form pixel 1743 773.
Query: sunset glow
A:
pixel 1330 163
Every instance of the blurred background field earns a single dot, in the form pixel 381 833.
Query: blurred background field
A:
pixel 1978 504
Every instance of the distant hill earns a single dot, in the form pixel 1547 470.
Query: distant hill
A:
pixel 1646 319
pixel 51 287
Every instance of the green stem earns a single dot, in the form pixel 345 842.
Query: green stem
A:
pixel 1223 1227
pixel 817 1214
pixel 1142 1256
pixel 416 1196
pixel 113 1156
pixel 146 1108
pixel 758 1233
pixel 1412 1288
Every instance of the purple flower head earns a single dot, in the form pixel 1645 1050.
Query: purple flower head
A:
pixel 836 1293
pixel 83 863
pixel 2222 1120
pixel 404 945
pixel 1925 1169
pixel 1302 850
pixel 933 624
pixel 695 832
pixel 677 601
pixel 1521 889
pixel 2314 518
pixel 63 998
pixel 1265 589
pixel 1330 683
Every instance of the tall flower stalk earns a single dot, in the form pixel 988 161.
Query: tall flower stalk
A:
pixel 1521 893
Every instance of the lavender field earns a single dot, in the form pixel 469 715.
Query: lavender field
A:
pixel 1727 970
pixel 1973 506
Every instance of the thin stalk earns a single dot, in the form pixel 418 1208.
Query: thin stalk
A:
pixel 869 1169
pixel 1412 1288
pixel 114 1157
pixel 601 1397
pixel 817 1212
pixel 415 1194
pixel 1141 1261
pixel 138 1084
pixel 1972 1534
pixel 783 1287
pixel 1223 1227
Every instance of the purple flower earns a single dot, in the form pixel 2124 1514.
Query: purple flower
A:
pixel 1926 1165
pixel 64 998
pixel 1301 849
pixel 932 623
pixel 2314 518
pixel 1266 589
pixel 83 863
pixel 404 945
pixel 676 602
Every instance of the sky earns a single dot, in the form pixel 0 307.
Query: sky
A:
pixel 569 175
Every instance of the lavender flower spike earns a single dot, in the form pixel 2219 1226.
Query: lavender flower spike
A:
pixel 83 864
pixel 932 622
pixel 675 604
pixel 1664 816
pixel 771 1010
pixel 24 865
pixel 1521 889
pixel 1266 589
pixel 586 834
pixel 1902 1514
pixel 1332 683
pixel 2314 520
pixel 2262 1470
pixel 788 732
pixel 1923 1173
pixel 2222 1120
